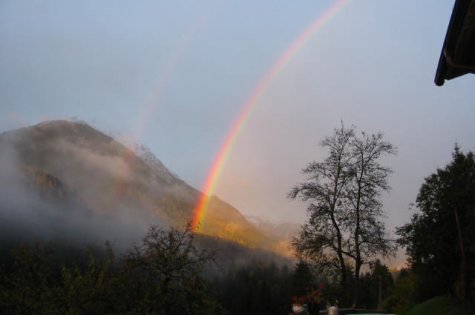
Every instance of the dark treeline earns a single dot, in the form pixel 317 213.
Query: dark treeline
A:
pixel 162 275
pixel 165 274
pixel 169 272
pixel 440 238
pixel 256 289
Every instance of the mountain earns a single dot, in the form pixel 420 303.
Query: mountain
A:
pixel 58 170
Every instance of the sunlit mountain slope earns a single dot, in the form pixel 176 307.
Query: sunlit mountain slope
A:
pixel 72 165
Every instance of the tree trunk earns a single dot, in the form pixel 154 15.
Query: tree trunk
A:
pixel 380 290
pixel 357 284
pixel 344 277
pixel 357 245
pixel 462 280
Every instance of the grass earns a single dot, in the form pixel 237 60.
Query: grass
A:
pixel 442 305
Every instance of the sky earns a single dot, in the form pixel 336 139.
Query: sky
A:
pixel 175 75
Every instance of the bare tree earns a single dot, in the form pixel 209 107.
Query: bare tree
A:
pixel 322 239
pixel 368 236
pixel 345 228
pixel 167 269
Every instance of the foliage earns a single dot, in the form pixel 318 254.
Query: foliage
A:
pixel 165 273
pixel 344 229
pixel 85 290
pixel 440 239
pixel 442 305
pixel 256 289
pixel 401 296
pixel 28 285
pixel 161 276
pixel 302 278
pixel 376 285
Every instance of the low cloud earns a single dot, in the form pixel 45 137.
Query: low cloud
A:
pixel 26 212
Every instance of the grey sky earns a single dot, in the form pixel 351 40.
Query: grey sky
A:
pixel 174 74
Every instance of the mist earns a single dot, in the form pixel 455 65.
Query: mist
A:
pixel 54 211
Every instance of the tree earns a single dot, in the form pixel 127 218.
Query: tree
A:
pixel 375 285
pixel 302 278
pixel 165 274
pixel 256 289
pixel 28 285
pixel 369 179
pixel 440 238
pixel 344 229
pixel 401 297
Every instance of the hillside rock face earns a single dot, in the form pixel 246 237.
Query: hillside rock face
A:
pixel 72 165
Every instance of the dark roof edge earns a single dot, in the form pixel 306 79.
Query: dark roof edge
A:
pixel 445 65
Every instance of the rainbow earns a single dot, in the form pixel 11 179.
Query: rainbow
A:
pixel 170 68
pixel 226 148
pixel 154 99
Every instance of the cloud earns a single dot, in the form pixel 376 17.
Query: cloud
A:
pixel 106 165
pixel 28 213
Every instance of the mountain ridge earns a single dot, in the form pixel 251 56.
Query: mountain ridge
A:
pixel 107 177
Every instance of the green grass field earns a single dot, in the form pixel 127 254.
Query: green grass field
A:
pixel 442 306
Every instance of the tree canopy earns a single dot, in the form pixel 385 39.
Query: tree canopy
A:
pixel 440 239
pixel 162 275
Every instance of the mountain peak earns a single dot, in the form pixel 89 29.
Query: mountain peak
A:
pixel 64 125
pixel 108 178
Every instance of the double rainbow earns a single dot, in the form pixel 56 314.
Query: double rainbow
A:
pixel 226 148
